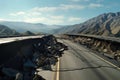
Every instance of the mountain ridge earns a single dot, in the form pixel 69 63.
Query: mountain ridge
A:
pixel 25 26
pixel 107 24
pixel 6 31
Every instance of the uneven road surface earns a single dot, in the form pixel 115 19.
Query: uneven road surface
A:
pixel 79 63
pixel 11 39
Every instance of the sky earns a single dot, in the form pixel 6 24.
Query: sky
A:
pixel 55 12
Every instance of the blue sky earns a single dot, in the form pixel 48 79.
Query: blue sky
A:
pixel 62 12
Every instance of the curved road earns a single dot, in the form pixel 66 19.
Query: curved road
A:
pixel 78 63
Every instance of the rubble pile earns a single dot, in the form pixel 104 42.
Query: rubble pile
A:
pixel 24 65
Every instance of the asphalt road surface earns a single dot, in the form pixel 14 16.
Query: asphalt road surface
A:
pixel 11 39
pixel 79 63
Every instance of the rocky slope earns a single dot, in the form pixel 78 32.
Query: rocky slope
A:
pixel 27 33
pixel 107 24
pixel 5 31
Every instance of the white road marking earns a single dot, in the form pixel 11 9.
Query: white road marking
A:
pixel 106 61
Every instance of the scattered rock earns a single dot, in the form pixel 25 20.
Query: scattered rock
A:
pixel 38 55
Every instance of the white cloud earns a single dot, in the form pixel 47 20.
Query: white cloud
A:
pixel 44 20
pixel 64 7
pixel 40 15
pixel 35 20
pixel 57 17
pixel 10 19
pixel 17 13
pixel 38 11
pixel 73 19
pixel 1 19
pixel 94 5
pixel 47 14
pixel 60 7
pixel 71 6
pixel 44 9
pixel 55 20
pixel 34 13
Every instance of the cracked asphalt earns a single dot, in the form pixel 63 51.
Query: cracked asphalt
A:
pixel 79 63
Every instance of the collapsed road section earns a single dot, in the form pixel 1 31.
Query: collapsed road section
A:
pixel 108 46
pixel 19 60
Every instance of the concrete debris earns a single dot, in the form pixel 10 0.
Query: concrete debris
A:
pixel 29 58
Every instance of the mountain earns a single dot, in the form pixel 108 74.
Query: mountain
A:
pixel 65 29
pixel 5 31
pixel 27 33
pixel 34 27
pixel 107 24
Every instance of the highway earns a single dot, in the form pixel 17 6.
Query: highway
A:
pixel 12 39
pixel 79 63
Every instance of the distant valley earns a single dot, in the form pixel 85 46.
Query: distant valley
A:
pixel 107 24
pixel 33 27
pixel 5 31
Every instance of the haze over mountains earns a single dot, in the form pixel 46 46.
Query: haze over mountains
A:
pixel 35 28
pixel 5 31
pixel 107 24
